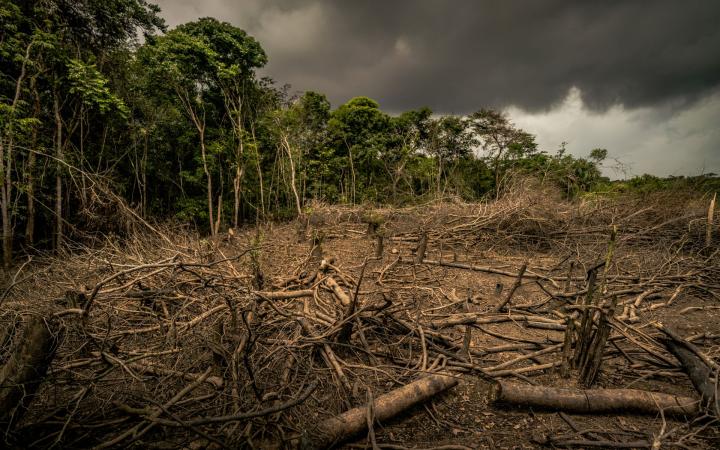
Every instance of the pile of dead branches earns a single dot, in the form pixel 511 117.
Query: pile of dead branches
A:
pixel 282 335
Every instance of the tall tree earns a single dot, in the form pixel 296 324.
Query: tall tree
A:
pixel 501 140
pixel 408 133
pixel 39 41
pixel 201 61
pixel 358 130
pixel 449 140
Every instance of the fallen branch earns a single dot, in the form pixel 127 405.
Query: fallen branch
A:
pixel 518 282
pixel 692 364
pixel 595 401
pixel 25 370
pixel 339 428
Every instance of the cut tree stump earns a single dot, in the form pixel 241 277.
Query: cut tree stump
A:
pixel 344 426
pixel 597 401
pixel 421 248
pixel 26 367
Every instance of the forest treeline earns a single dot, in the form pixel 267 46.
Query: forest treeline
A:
pixel 98 97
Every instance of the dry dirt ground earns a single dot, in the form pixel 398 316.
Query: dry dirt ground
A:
pixel 189 305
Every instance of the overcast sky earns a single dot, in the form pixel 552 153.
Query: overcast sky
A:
pixel 640 78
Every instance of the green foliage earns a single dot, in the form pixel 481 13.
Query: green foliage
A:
pixel 646 184
pixel 138 114
pixel 598 155
pixel 92 87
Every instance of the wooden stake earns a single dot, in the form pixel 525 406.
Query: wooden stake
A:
pixel 422 248
pixel 710 219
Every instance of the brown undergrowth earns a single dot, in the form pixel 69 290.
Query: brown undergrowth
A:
pixel 253 338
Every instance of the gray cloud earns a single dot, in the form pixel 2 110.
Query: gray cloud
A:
pixel 457 56
pixel 648 72
pixel 661 141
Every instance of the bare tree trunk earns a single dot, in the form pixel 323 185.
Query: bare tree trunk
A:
pixel 58 241
pixel 237 181
pixel 239 172
pixel 22 375
pixel 30 220
pixel 211 215
pixel 239 167
pixel 4 205
pixel 497 177
pixel 259 170
pixel 439 175
pixel 30 173
pixel 337 429
pixel 594 401
pixel 292 175
pixel 6 163
pixel 143 194
pixel 199 122
pixel 710 217
pixel 218 220
pixel 352 173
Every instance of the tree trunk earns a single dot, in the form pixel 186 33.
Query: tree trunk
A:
pixel 259 171
pixel 58 241
pixel 596 401
pixel 30 220
pixel 439 176
pixel 4 205
pixel 30 173
pixel 497 176
pixel 199 121
pixel 6 163
pixel 342 427
pixel 292 175
pixel 211 214
pixel 218 219
pixel 695 366
pixel 143 194
pixel 352 173
pixel 239 171
pixel 6 158
pixel 711 215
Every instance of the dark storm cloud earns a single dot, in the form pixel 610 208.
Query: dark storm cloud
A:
pixel 456 56
pixel 646 73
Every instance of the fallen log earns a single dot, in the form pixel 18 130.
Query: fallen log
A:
pixel 26 367
pixel 673 336
pixel 484 319
pixel 339 428
pixel 484 269
pixel 285 295
pixel 157 370
pixel 338 291
pixel 698 372
pixel 596 401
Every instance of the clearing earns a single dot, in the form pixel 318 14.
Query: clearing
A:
pixel 256 338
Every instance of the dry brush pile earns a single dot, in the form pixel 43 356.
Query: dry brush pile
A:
pixel 312 333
